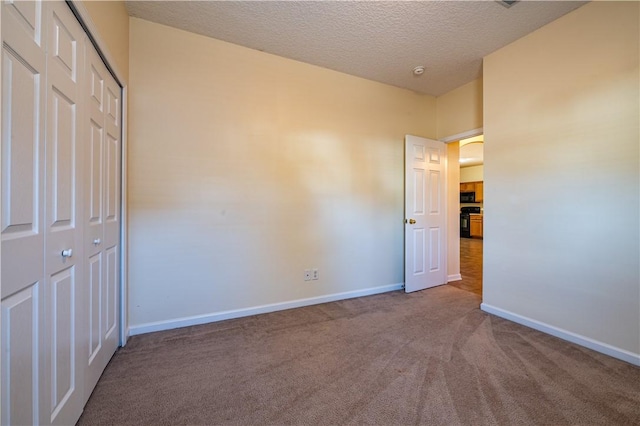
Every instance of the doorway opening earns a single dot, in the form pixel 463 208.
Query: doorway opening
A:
pixel 471 168
pixel 470 266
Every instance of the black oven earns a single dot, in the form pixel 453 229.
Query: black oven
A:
pixel 465 225
pixel 465 220
pixel 467 197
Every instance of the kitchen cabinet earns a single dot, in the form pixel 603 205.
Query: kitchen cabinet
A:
pixel 477 187
pixel 476 225
pixel 479 191
pixel 467 187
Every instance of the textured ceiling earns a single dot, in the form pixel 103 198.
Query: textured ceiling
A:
pixel 378 40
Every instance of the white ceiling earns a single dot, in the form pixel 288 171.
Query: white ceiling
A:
pixel 378 40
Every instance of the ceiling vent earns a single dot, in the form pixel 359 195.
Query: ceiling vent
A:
pixel 507 3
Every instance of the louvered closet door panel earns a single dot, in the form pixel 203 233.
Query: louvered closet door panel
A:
pixel 102 214
pixel 22 227
pixel 63 214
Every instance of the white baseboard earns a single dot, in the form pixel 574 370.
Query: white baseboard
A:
pixel 263 309
pixel 454 277
pixel 622 354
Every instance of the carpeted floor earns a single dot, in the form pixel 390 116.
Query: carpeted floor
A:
pixel 430 357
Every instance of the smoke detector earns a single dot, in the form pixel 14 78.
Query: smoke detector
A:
pixel 419 70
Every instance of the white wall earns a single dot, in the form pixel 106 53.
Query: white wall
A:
pixel 562 120
pixel 247 168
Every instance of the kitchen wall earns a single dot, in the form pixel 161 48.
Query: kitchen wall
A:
pixel 245 169
pixel 472 173
pixel 561 125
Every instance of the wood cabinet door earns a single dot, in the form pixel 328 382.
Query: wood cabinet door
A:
pixel 476 226
pixel 467 187
pixel 479 191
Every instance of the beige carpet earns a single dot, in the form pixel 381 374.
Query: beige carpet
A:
pixel 430 357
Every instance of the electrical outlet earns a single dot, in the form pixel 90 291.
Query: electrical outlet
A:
pixel 307 274
pixel 314 274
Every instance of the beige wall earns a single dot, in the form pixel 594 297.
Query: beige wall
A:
pixel 472 173
pixel 457 112
pixel 460 110
pixel 453 206
pixel 112 21
pixel 562 119
pixel 246 168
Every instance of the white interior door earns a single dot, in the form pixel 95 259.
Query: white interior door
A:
pixel 425 212
pixel 63 216
pixel 102 215
pixel 60 235
pixel 23 170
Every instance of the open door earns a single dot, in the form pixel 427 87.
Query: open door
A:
pixel 425 213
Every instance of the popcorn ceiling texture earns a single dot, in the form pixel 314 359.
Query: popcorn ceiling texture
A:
pixel 381 41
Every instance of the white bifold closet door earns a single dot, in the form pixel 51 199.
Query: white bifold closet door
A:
pixel 60 214
pixel 23 221
pixel 101 215
pixel 63 260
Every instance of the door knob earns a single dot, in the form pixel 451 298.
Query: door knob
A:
pixel 67 253
pixel 412 221
pixel 97 241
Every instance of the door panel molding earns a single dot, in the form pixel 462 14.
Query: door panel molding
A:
pixel 22 365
